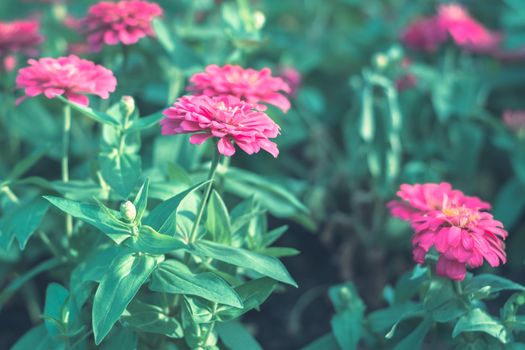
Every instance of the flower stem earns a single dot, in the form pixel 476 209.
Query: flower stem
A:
pixel 211 178
pixel 459 288
pixel 12 197
pixel 66 134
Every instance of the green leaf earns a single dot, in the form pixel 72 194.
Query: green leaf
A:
pixel 218 219
pixel 174 277
pixel 510 202
pixel 442 302
pixel 272 236
pixel 478 320
pixel 151 242
pixel 22 221
pixel 263 264
pixel 152 319
pixel 386 320
pixel 93 215
pixel 163 217
pixel 236 337
pixel 163 35
pixel 141 201
pixel 37 339
pixel 123 280
pixel 90 113
pixel 415 339
pixel 491 284
pixel 347 324
pixel 279 201
pixel 252 293
pixel 56 297
pixel 120 339
pixel 146 122
pixel 120 171
pixel 279 252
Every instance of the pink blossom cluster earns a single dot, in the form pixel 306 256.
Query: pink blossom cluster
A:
pixel 227 105
pixel 454 21
pixel 70 76
pixel 227 118
pixel 20 37
pixel 250 85
pixel 123 22
pixel 457 226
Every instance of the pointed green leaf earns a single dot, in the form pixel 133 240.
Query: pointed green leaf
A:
pixel 151 319
pixel 120 171
pixel 415 339
pixel 263 264
pixel 174 277
pixel 151 242
pixel 123 280
pixel 141 201
pixel 236 337
pixel 93 215
pixel 478 320
pixel 218 219
pixel 146 122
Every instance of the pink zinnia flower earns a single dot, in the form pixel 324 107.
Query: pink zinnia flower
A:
pixel 227 118
pixel 70 76
pixel 124 22
pixel 20 37
pixel 424 34
pixel 250 85
pixel 465 30
pixel 418 199
pixel 463 237
pixel 454 224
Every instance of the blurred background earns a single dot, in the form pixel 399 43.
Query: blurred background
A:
pixel 368 114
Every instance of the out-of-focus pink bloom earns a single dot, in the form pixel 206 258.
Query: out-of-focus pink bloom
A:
pixel 514 119
pixel 418 199
pixel 73 23
pixel 465 30
pixel 454 224
pixel 123 22
pixel 20 37
pixel 70 76
pixel 424 34
pixel 291 77
pixel 250 85
pixel 227 118
pixel 10 62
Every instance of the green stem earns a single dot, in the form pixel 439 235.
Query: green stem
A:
pixel 459 288
pixel 12 197
pixel 212 325
pixel 211 178
pixel 66 135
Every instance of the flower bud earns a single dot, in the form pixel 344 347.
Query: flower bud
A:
pixel 127 106
pixel 128 211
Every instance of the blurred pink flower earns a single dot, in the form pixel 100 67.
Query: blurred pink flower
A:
pixel 424 34
pixel 20 37
pixel 225 117
pixel 455 224
pixel 291 77
pixel 514 119
pixel 250 85
pixel 465 30
pixel 417 199
pixel 124 22
pixel 70 76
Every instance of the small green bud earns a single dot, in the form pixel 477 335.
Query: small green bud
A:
pixel 127 105
pixel 128 211
pixel 346 295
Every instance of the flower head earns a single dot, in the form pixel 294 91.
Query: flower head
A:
pixel 123 22
pixel 454 224
pixel 418 199
pixel 20 37
pixel 424 34
pixel 225 117
pixel 250 85
pixel 465 30
pixel 70 76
